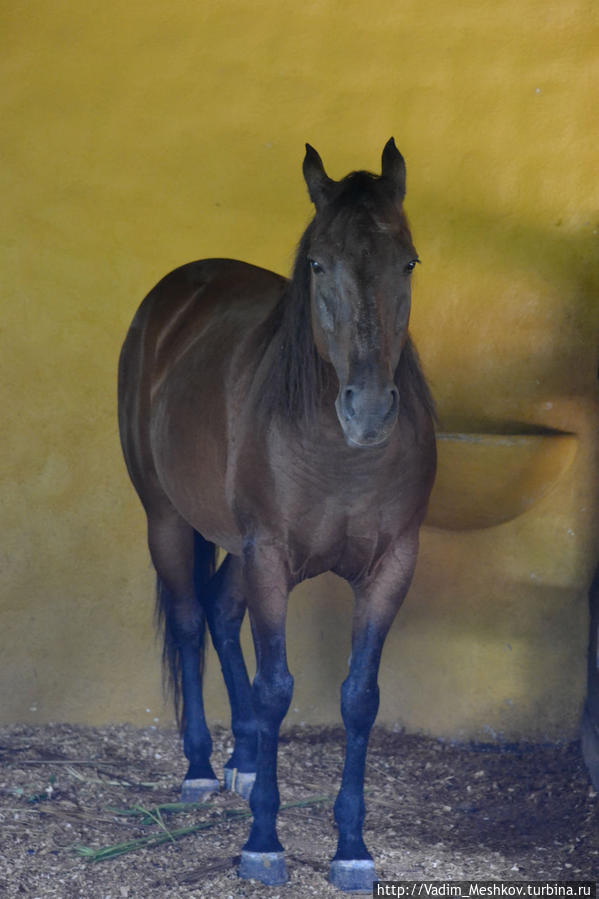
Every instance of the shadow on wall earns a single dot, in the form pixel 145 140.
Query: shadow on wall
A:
pixel 518 396
pixel 517 319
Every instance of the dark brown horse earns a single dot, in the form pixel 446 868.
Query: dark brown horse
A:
pixel 289 423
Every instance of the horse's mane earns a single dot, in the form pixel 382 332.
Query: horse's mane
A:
pixel 298 376
pixel 412 385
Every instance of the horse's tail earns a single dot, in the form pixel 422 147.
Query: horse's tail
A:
pixel 204 568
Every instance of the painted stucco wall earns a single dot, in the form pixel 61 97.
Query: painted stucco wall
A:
pixel 137 137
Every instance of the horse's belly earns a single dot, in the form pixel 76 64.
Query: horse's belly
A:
pixel 201 502
pixel 210 518
pixel 190 455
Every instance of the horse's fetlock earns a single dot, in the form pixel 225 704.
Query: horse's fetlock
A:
pixel 264 804
pixel 198 746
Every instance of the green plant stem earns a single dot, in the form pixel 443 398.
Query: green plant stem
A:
pixel 98 855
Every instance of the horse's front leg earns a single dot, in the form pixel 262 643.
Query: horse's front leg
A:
pixel 267 589
pixel 377 600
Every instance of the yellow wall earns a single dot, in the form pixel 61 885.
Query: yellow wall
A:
pixel 140 136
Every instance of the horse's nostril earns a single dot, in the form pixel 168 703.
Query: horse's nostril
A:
pixel 348 403
pixel 394 400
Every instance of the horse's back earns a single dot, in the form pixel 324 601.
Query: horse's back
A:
pixel 191 298
pixel 175 366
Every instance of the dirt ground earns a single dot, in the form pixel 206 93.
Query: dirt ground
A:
pixel 434 811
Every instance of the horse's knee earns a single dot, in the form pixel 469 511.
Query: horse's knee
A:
pixel 359 704
pixel 272 695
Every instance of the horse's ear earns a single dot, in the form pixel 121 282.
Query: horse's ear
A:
pixel 393 169
pixel 319 183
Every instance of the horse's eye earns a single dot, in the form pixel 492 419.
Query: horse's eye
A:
pixel 315 266
pixel 411 266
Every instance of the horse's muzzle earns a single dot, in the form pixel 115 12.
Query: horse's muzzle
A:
pixel 367 416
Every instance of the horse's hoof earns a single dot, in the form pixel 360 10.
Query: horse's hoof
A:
pixel 240 782
pixel 269 867
pixel 198 789
pixel 355 875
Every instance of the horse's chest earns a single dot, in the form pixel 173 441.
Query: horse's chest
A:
pixel 326 506
pixel 346 541
pixel 340 524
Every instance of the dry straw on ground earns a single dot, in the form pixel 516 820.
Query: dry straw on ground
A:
pixel 435 811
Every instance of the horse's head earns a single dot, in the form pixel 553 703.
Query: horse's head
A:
pixel 361 257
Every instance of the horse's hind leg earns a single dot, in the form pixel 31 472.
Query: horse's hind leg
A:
pixel 184 562
pixel 225 608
